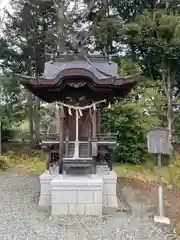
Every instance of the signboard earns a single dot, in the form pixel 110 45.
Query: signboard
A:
pixel 158 141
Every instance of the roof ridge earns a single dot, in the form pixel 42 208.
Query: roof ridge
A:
pixel 91 63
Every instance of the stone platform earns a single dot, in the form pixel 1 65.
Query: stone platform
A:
pixel 109 186
pixel 78 195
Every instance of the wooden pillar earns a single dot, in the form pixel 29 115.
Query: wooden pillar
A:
pixel 99 121
pixel 61 139
pixel 94 140
pixel 37 120
pixel 76 149
pixel 77 136
pixel 94 124
pixel 48 156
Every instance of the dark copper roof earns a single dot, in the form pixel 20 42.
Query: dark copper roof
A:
pixel 98 74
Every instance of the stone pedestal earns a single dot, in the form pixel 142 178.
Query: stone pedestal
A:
pixel 109 186
pixel 77 195
pixel 45 191
pixel 109 190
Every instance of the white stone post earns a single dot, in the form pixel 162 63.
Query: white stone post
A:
pixel 94 130
pixel 76 152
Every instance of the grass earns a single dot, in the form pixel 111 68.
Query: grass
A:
pixel 32 164
pixel 142 172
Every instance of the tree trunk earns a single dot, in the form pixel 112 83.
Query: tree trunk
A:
pixel 61 140
pixel 0 136
pixel 169 108
pixel 37 120
pixel 1 93
pixel 30 118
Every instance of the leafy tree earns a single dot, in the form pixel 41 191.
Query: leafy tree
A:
pixel 128 67
pixel 25 45
pixel 12 111
pixel 156 40
pixel 130 124
pixel 130 119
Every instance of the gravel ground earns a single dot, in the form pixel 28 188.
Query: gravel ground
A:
pixel 20 220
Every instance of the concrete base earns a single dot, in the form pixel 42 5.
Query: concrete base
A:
pixel 163 220
pixel 109 186
pixel 77 195
pixel 45 191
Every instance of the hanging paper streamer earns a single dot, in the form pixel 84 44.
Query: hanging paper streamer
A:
pixel 80 112
pixel 69 111
pixel 90 113
pixel 94 107
pixel 57 106
pixel 62 110
pixel 78 108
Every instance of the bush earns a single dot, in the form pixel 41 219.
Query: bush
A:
pixel 174 173
pixel 126 122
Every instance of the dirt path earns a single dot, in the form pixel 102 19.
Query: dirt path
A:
pixel 145 194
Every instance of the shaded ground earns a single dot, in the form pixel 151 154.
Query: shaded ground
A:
pixel 147 193
pixel 21 220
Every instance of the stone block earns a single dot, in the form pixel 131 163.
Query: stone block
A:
pixel 109 188
pixel 85 196
pixel 76 209
pixel 98 195
pixel 60 209
pixel 112 201
pixel 110 178
pixel 44 201
pixel 93 209
pixel 64 196
pixel 45 190
pixel 105 200
pixel 79 193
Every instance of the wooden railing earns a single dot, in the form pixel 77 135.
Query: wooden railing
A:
pixel 106 136
pixel 100 137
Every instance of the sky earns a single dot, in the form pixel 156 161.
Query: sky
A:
pixel 4 3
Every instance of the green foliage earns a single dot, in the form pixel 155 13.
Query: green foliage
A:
pixel 31 164
pixel 127 122
pixel 174 174
pixel 12 111
pixel 155 37
pixel 107 31
pixel 131 119
pixel 177 127
pixel 128 67
pixel 148 32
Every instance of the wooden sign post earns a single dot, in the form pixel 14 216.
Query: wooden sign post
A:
pixel 158 143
